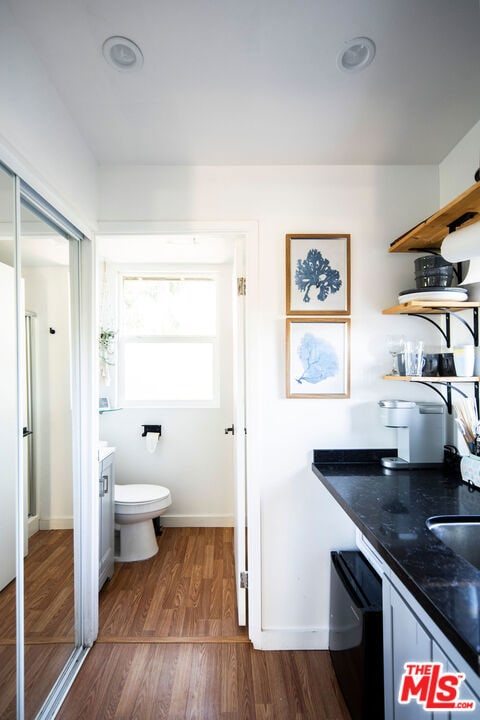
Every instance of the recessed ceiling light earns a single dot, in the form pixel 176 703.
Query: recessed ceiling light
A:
pixel 356 55
pixel 122 53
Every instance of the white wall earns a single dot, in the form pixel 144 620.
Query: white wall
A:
pixel 299 520
pixel 38 137
pixel 47 294
pixel 193 459
pixel 459 167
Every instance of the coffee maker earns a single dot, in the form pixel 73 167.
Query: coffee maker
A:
pixel 420 433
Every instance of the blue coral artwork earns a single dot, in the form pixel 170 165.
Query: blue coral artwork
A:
pixel 318 275
pixel 315 272
pixel 317 356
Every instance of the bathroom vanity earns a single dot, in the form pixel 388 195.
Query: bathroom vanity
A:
pixel 106 483
pixel 431 595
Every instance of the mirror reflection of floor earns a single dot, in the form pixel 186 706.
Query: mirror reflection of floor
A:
pixel 49 621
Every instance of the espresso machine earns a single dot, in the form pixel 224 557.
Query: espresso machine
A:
pixel 420 430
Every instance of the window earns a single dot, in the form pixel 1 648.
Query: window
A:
pixel 168 340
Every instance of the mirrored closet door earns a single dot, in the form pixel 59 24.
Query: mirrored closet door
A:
pixel 8 448
pixel 49 599
pixel 41 585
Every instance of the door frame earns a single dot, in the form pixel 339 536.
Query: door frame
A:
pixel 250 231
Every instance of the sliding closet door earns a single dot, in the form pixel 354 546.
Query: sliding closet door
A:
pixel 48 404
pixel 48 557
pixel 8 447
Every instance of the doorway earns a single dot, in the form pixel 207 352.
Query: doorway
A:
pixel 197 453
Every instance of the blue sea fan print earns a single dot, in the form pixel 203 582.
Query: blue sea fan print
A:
pixel 315 272
pixel 318 358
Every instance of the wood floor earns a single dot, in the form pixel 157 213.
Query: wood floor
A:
pixel 228 681
pixel 169 647
pixel 185 591
pixel 49 622
pixel 49 603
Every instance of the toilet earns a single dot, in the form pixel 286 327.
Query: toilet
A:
pixel 135 508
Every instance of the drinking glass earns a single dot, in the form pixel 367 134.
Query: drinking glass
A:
pixel 395 345
pixel 414 358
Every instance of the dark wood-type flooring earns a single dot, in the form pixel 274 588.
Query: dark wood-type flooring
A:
pixel 185 591
pixel 49 622
pixel 204 681
pixel 169 647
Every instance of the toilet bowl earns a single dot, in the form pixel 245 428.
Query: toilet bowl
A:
pixel 135 508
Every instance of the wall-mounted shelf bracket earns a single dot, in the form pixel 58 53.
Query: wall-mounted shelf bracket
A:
pixel 449 384
pixel 452 226
pixel 449 387
pixel 445 333
pixel 472 329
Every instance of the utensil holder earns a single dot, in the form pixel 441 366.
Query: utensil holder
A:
pixel 470 469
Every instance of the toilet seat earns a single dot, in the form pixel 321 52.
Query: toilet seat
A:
pixel 137 498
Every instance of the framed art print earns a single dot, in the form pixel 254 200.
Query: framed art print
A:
pixel 318 274
pixel 318 358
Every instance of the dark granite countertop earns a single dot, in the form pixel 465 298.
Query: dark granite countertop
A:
pixel 390 507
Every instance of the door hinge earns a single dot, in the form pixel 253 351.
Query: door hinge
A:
pixel 241 286
pixel 244 579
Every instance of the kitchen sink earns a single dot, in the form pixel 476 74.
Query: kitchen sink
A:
pixel 461 533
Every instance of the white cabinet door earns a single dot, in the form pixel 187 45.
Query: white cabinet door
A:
pixel 465 695
pixel 106 519
pixel 406 641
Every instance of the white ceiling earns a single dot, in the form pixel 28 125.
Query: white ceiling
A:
pixel 256 82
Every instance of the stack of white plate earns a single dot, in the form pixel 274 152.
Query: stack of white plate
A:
pixel 434 293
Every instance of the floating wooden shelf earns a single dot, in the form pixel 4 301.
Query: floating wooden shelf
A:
pixel 438 307
pixel 428 235
pixel 435 379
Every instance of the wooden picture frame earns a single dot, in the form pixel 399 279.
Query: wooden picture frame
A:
pixel 318 357
pixel 318 274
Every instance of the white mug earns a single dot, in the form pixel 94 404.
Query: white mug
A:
pixel 464 359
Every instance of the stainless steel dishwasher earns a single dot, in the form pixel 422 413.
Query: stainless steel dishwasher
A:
pixel 355 637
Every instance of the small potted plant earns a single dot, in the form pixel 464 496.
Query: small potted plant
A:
pixel 106 344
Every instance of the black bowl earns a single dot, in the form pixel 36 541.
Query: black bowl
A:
pixel 430 262
pixel 439 277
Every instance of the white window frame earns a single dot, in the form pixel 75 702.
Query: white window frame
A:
pixel 124 340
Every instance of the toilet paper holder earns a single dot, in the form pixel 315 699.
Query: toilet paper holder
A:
pixel 151 429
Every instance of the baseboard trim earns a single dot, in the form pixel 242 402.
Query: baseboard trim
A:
pixel 292 639
pixel 196 520
pixel 56 523
pixel 33 525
